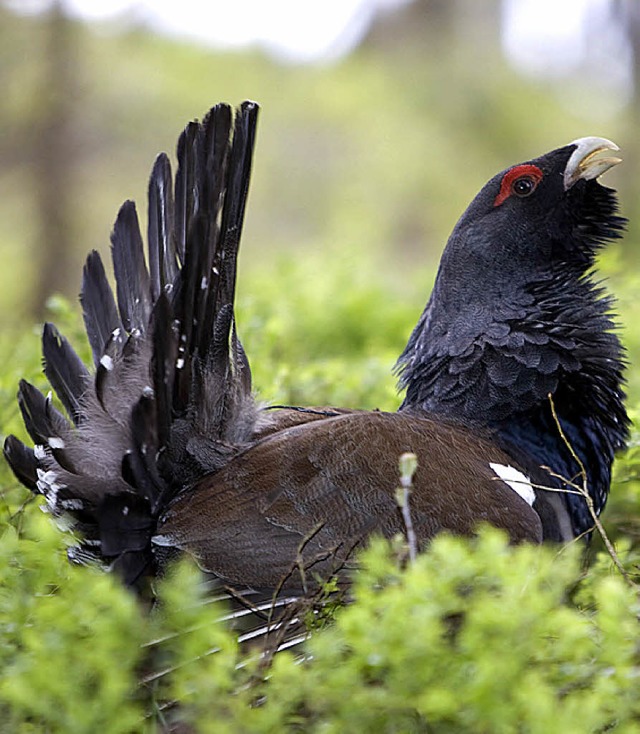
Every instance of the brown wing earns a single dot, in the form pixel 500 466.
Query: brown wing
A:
pixel 278 417
pixel 307 495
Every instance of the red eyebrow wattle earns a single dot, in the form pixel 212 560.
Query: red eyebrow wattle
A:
pixel 526 169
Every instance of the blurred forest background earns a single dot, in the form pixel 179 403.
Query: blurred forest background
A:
pixel 366 156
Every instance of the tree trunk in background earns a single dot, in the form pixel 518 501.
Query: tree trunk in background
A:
pixel 628 12
pixel 437 25
pixel 53 163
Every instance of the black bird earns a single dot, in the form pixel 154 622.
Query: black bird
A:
pixel 513 379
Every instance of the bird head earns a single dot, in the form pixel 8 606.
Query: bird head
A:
pixel 533 222
pixel 513 297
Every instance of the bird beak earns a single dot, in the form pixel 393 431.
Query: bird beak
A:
pixel 583 163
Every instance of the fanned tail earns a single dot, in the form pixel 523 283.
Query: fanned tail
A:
pixel 170 395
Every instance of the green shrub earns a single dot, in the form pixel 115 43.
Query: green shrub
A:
pixel 475 637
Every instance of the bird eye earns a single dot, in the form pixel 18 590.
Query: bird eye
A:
pixel 523 186
pixel 520 181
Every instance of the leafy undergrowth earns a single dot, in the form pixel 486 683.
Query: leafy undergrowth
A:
pixel 476 636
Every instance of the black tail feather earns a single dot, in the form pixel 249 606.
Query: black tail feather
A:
pixel 163 263
pixel 42 421
pixel 104 384
pixel 132 276
pixel 165 336
pixel 22 461
pixel 65 371
pixel 222 291
pixel 45 424
pixel 171 395
pixel 215 131
pixel 143 457
pixel 185 187
pixel 99 310
pixel 237 190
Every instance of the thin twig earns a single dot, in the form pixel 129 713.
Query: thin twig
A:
pixel 584 491
pixel 408 464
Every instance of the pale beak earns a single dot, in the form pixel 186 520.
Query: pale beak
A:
pixel 584 164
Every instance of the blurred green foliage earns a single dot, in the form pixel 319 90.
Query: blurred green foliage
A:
pixel 371 158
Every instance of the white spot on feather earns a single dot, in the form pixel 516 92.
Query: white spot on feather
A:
pixel 71 504
pixel 39 452
pixel 107 362
pixel 48 487
pixel 516 480
pixel 164 540
pixel 83 556
pixel 55 442
pixel 45 477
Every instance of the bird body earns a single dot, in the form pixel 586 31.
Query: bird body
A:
pixel 515 317
pixel 315 500
pixel 513 379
